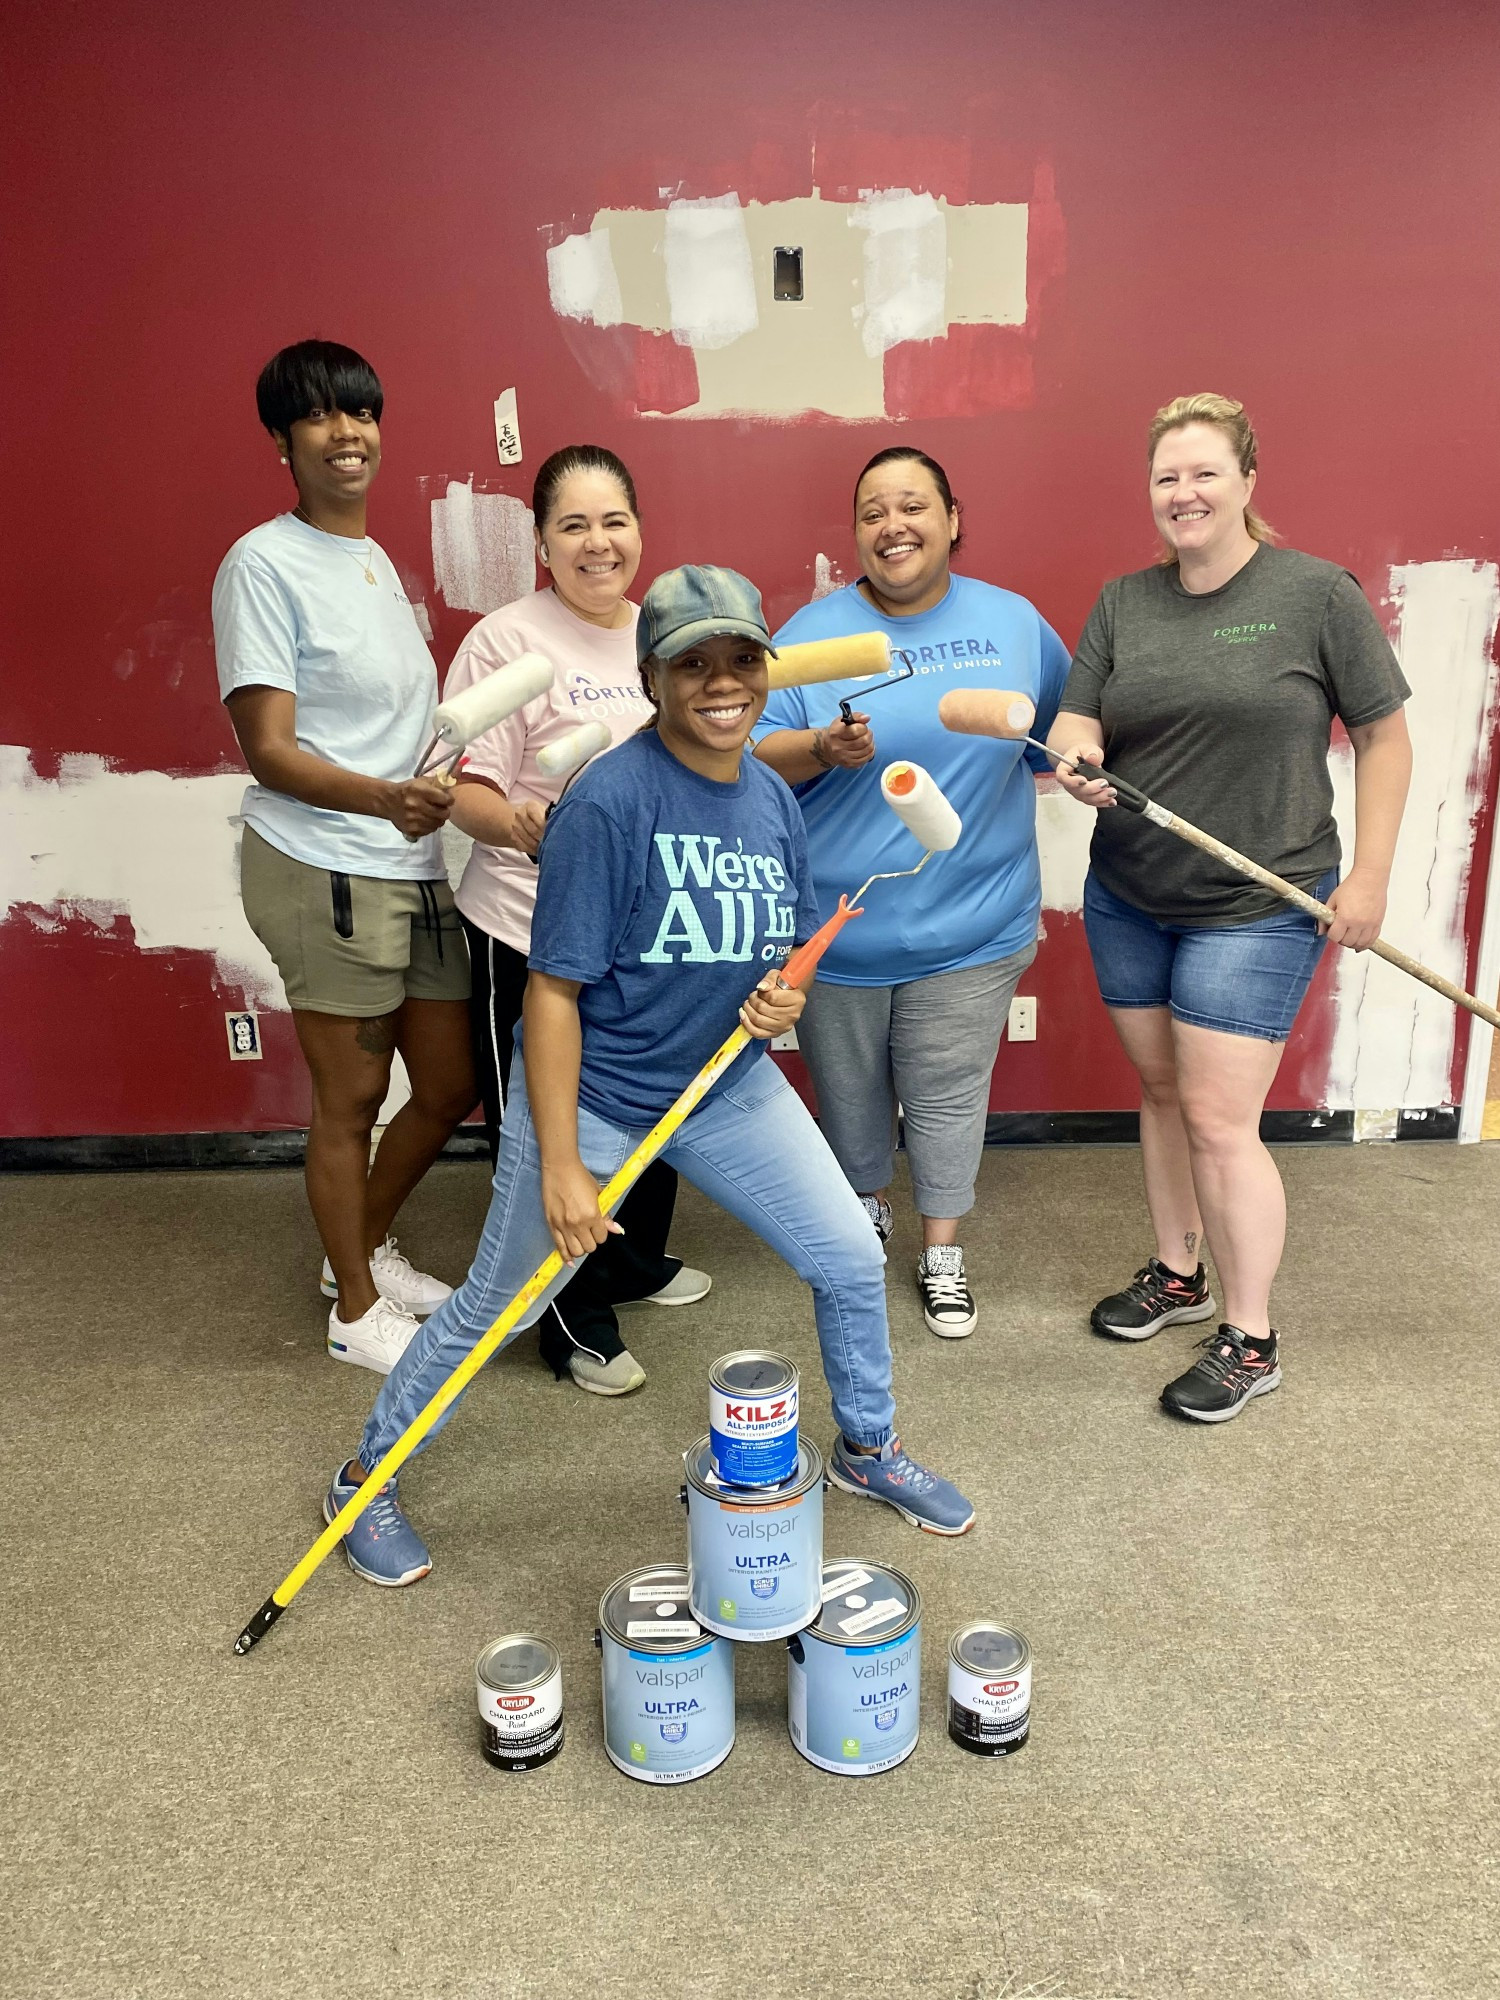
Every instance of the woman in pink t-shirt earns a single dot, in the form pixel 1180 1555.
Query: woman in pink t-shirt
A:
pixel 588 538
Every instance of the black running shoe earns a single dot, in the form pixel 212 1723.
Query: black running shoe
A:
pixel 1154 1298
pixel 947 1303
pixel 1218 1386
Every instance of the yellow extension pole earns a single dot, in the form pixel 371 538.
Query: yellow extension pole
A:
pixel 795 971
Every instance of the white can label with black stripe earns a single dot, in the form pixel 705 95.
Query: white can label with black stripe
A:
pixel 989 1712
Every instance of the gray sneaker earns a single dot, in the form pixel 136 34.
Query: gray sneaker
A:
pixel 918 1495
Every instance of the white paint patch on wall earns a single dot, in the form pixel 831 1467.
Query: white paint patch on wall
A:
pixel 161 851
pixel 1394 1038
pixel 582 282
pixel 483 555
pixel 1063 832
pixel 827 576
pixel 710 282
pixel 905 269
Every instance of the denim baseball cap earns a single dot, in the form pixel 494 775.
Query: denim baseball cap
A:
pixel 685 606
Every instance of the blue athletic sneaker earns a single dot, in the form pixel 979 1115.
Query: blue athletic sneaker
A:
pixel 382 1546
pixel 917 1494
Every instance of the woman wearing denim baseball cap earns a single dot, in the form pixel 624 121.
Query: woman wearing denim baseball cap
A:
pixel 674 881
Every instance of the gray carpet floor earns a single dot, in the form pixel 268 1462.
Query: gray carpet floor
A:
pixel 1264 1755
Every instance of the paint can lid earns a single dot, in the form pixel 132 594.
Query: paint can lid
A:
pixel 753 1371
pixel 647 1610
pixel 518 1662
pixel 865 1604
pixel 984 1648
pixel 703 1477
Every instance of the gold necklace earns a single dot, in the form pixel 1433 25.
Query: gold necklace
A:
pixel 364 560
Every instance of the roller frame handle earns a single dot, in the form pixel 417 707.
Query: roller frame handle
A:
pixel 794 972
pixel 1135 800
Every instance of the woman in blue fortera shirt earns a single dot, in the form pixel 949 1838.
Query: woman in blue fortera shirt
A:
pixel 673 872
pixel 910 1001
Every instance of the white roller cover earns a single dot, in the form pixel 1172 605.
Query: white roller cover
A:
pixel 916 798
pixel 558 759
pixel 465 716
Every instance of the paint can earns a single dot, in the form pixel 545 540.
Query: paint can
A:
pixel 989 1689
pixel 668 1689
pixel 854 1676
pixel 752 1418
pixel 755 1557
pixel 519 1683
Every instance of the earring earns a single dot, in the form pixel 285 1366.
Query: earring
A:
pixel 285 461
pixel 545 557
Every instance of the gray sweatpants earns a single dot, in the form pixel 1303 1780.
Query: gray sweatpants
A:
pixel 929 1045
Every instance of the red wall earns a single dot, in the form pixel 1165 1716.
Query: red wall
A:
pixel 1293 204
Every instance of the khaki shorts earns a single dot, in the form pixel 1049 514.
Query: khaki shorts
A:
pixel 352 944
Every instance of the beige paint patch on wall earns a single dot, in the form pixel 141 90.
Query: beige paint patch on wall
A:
pixel 892 267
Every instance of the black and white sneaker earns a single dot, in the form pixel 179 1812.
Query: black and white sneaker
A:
pixel 1225 1377
pixel 879 1212
pixel 947 1303
pixel 1154 1298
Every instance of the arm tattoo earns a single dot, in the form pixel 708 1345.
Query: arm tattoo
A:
pixel 377 1036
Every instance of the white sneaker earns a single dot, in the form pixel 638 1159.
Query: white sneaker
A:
pixel 376 1340
pixel 396 1279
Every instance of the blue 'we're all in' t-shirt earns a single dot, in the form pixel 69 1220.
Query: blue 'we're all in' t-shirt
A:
pixel 981 900
pixel 668 896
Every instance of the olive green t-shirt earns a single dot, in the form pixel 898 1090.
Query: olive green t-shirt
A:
pixel 1219 706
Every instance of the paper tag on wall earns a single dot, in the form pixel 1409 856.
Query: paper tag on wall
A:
pixel 507 429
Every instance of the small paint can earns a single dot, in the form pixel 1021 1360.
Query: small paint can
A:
pixel 519 1683
pixel 989 1689
pixel 668 1689
pixel 752 1418
pixel 755 1557
pixel 854 1676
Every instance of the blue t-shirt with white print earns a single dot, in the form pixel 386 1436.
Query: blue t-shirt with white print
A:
pixel 668 896
pixel 981 900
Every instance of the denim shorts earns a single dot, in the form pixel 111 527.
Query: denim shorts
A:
pixel 1240 979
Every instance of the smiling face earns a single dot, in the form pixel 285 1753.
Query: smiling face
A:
pixel 335 454
pixel 903 533
pixel 707 700
pixel 591 544
pixel 1198 493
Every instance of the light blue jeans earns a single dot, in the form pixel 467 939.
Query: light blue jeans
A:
pixel 751 1147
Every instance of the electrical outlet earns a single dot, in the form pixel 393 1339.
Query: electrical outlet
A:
pixel 243 1031
pixel 1021 1026
pixel 786 1041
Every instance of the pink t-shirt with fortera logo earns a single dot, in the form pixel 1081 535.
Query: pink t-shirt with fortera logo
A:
pixel 596 680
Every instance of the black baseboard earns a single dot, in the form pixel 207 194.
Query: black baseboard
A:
pixel 132 1152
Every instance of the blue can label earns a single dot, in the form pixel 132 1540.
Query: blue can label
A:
pixel 753 1438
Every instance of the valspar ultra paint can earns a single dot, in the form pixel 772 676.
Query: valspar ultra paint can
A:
pixel 752 1418
pixel 668 1687
pixel 854 1677
pixel 989 1689
pixel 755 1557
pixel 519 1683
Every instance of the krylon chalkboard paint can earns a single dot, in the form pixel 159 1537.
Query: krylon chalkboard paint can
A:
pixel 752 1418
pixel 755 1556
pixel 668 1685
pixel 854 1676
pixel 519 1683
pixel 989 1689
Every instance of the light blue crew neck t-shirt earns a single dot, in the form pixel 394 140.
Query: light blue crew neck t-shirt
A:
pixel 292 610
pixel 981 900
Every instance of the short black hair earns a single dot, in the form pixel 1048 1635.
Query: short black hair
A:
pixel 315 375
pixel 896 452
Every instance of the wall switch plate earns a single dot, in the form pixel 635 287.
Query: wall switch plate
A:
pixel 243 1031
pixel 1021 1027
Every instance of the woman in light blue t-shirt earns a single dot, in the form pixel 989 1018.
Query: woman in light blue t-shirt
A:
pixel 331 691
pixel 910 1002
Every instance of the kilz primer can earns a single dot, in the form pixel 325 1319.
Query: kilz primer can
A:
pixel 854 1676
pixel 752 1418
pixel 519 1683
pixel 989 1690
pixel 668 1686
pixel 755 1556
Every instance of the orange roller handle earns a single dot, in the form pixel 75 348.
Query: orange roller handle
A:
pixel 803 961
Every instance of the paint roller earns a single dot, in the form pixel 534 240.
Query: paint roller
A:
pixel 914 796
pixel 994 712
pixel 571 752
pixel 852 657
pixel 469 714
